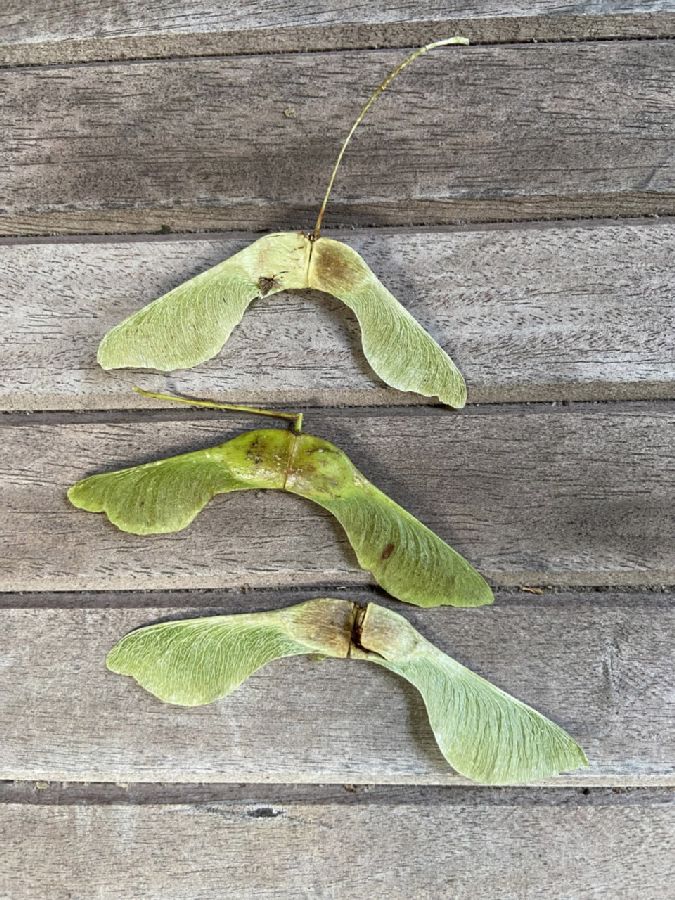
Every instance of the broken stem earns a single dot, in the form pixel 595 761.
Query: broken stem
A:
pixel 380 89
pixel 294 418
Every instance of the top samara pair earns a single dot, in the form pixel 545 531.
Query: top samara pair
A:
pixel 191 323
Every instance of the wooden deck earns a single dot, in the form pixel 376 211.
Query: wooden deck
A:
pixel 518 196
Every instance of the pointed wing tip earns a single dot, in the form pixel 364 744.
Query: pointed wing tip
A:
pixel 119 523
pixel 103 355
pixel 573 759
pixel 117 660
pixel 581 758
pixel 111 354
pixel 117 664
pixel 107 362
pixel 483 597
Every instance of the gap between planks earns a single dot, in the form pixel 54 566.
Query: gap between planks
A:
pixel 156 411
pixel 261 796
pixel 336 231
pixel 294 32
pixel 229 599
pixel 655 35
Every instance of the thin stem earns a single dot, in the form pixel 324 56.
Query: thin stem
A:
pixel 295 418
pixel 380 89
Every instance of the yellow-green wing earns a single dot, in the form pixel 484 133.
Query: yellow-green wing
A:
pixel 397 347
pixel 410 562
pixel 484 733
pixel 166 495
pixel 191 323
pixel 156 498
pixel 196 661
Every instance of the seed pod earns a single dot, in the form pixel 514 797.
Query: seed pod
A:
pixel 484 733
pixel 191 323
pixel 404 556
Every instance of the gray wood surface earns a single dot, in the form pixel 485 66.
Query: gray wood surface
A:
pixel 528 313
pixel 338 844
pixel 529 495
pixel 33 33
pixel 120 117
pixel 470 134
pixel 599 664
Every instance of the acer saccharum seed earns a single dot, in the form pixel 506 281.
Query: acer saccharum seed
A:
pixel 191 323
pixel 484 733
pixel 406 558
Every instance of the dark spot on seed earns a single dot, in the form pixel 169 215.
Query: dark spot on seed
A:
pixel 265 285
pixel 331 266
pixel 256 451
pixel 388 550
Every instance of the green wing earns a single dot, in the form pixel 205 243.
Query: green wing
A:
pixel 410 562
pixel 166 495
pixel 405 557
pixel 484 733
pixel 156 498
pixel 184 327
pixel 191 323
pixel 399 350
pixel 196 661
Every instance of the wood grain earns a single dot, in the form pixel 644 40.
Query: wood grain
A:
pixel 400 846
pixel 530 496
pixel 528 313
pixel 471 134
pixel 600 665
pixel 32 33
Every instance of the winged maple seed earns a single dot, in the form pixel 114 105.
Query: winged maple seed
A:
pixel 484 733
pixel 405 557
pixel 191 323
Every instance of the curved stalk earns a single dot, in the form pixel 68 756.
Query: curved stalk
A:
pixel 379 90
pixel 294 418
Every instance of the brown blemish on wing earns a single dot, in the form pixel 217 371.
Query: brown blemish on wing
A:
pixel 267 284
pixel 388 550
pixel 258 457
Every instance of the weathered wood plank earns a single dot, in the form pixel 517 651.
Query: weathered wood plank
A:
pixel 33 33
pixel 601 665
pixel 480 133
pixel 402 845
pixel 531 496
pixel 538 313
